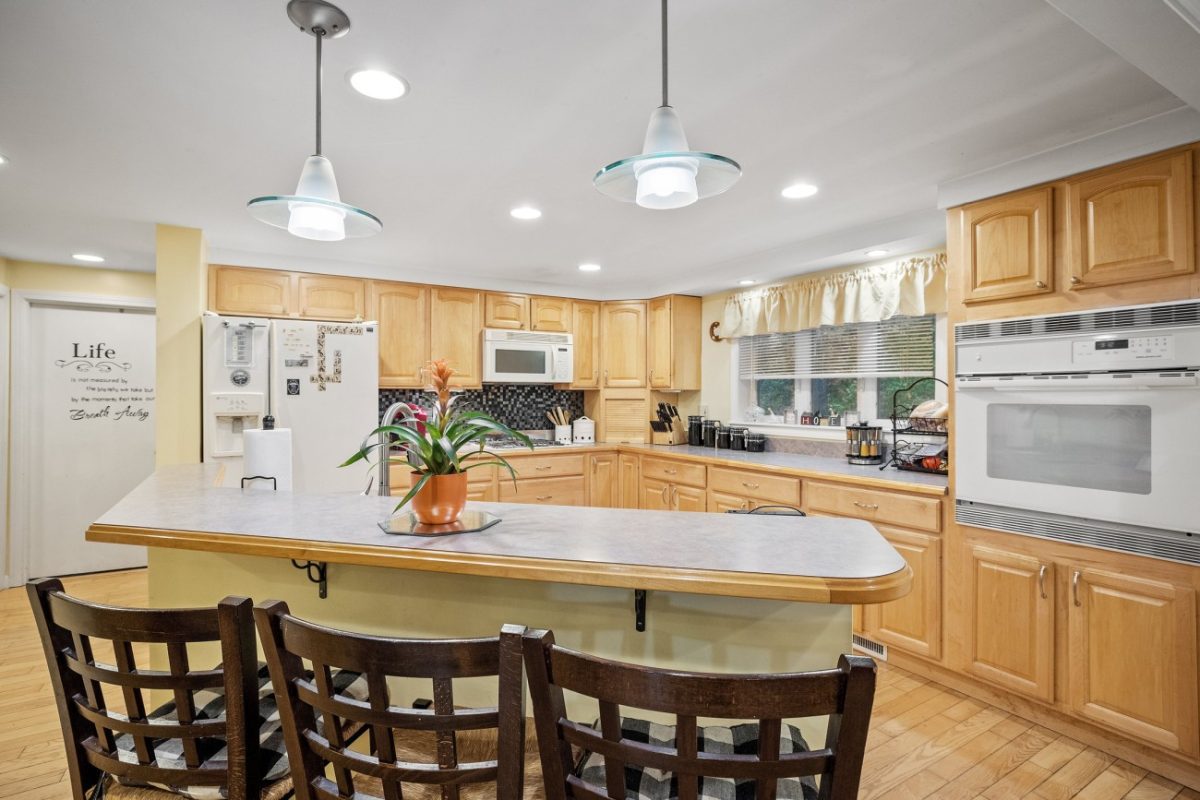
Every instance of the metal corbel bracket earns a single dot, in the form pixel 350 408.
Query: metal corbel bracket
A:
pixel 639 610
pixel 317 572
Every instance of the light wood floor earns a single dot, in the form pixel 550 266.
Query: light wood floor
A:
pixel 926 741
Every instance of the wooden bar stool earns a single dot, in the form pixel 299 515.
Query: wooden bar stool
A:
pixel 622 757
pixel 444 752
pixel 204 744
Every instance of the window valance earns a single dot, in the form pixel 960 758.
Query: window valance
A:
pixel 910 287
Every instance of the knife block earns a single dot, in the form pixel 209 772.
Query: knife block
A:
pixel 674 436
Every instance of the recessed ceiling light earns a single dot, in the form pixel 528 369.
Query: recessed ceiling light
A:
pixel 526 212
pixel 589 267
pixel 378 84
pixel 747 282
pixel 88 257
pixel 3 159
pixel 876 253
pixel 798 191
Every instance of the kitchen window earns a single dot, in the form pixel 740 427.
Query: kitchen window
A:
pixel 834 369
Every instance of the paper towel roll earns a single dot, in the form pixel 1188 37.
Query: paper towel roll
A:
pixel 268 453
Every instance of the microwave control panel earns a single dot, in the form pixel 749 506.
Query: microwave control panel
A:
pixel 1119 352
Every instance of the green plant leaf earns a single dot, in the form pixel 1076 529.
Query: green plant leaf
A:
pixel 413 491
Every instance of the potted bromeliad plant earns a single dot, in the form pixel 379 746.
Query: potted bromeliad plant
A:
pixel 436 443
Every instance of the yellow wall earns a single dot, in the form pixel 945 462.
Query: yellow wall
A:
pixel 35 276
pixel 181 272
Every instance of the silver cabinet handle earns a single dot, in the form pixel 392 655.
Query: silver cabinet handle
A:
pixel 541 469
pixel 1075 588
pixel 1042 582
pixel 544 497
pixel 749 485
pixel 670 471
pixel 664 494
pixel 675 496
pixel 867 506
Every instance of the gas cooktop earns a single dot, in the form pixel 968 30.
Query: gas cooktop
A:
pixel 511 443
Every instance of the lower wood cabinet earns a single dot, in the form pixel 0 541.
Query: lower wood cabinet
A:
pixel 689 498
pixel 1010 605
pixel 568 491
pixel 1132 657
pixel 914 622
pixel 721 502
pixel 604 480
pixel 483 492
pixel 630 481
pixel 659 495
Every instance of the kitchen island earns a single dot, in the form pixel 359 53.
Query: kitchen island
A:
pixel 724 592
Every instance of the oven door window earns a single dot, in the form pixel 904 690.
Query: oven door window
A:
pixel 1103 447
pixel 521 362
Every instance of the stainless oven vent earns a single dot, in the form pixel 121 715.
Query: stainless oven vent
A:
pixel 1157 316
pixel 1169 545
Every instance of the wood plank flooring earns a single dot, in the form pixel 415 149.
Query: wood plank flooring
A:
pixel 926 741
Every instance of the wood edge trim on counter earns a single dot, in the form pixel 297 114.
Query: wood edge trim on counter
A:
pixel 761 586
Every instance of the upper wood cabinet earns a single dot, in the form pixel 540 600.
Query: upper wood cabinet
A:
pixel 550 314
pixel 585 329
pixel 234 290
pixel 455 332
pixel 1132 224
pixel 402 310
pixel 623 344
pixel 1007 246
pixel 673 343
pixel 1132 657
pixel 331 297
pixel 1010 603
pixel 506 311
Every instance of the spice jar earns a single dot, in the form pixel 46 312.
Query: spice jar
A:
pixel 863 444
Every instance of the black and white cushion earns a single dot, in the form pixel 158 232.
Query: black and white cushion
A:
pixel 214 752
pixel 643 783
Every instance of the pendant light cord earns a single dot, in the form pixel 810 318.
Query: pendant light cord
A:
pixel 664 53
pixel 318 34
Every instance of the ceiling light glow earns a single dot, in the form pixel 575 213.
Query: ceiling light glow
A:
pixel 798 191
pixel 589 267
pixel 88 257
pixel 747 282
pixel 378 84
pixel 3 159
pixel 876 253
pixel 525 212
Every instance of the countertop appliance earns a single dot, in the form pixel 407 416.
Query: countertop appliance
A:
pixel 527 357
pixel 1083 427
pixel 319 379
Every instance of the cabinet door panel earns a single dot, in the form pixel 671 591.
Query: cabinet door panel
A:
pixel 723 502
pixel 688 498
pixel 586 338
pixel 550 314
pixel 1008 246
pixel 506 311
pixel 402 310
pixel 456 330
pixel 604 481
pixel 251 291
pixel 656 495
pixel 1132 648
pixel 631 481
pixel 326 297
pixel 1132 224
pixel 569 491
pixel 483 492
pixel 623 343
pixel 1011 625
pixel 914 622
pixel 659 340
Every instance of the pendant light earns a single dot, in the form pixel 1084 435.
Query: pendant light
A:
pixel 667 174
pixel 316 210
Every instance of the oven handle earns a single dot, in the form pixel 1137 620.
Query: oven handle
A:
pixel 1102 383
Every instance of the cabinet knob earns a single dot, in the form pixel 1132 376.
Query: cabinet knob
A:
pixel 1076 279
pixel 1040 284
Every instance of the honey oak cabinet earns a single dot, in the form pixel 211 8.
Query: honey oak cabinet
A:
pixel 402 311
pixel 1132 657
pixel 673 343
pixel 585 330
pixel 604 480
pixel 623 344
pixel 659 495
pixel 483 492
pixel 722 502
pixel 506 311
pixel 455 332
pixel 253 292
pixel 550 314
pixel 1010 602
pixel 565 491
pixel 1008 246
pixel 330 297
pixel 914 622
pixel 630 479
pixel 1132 223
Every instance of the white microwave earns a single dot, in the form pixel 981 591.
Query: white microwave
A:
pixel 527 357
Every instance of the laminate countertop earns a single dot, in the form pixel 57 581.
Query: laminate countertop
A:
pixel 813 559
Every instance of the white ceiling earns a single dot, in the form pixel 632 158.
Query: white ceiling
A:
pixel 123 113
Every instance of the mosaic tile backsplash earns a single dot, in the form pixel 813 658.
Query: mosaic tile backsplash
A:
pixel 519 405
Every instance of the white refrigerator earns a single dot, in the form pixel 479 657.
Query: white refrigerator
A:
pixel 320 380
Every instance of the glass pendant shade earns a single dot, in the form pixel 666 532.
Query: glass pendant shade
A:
pixel 316 210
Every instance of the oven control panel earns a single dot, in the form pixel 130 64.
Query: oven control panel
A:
pixel 1115 352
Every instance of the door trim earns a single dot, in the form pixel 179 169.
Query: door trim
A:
pixel 17 570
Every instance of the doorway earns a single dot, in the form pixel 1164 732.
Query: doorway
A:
pixel 83 426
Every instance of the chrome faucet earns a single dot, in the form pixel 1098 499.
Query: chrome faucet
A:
pixel 385 463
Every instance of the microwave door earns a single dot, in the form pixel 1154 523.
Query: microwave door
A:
pixel 1115 455
pixel 519 362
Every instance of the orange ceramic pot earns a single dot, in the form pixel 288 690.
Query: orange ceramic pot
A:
pixel 442 498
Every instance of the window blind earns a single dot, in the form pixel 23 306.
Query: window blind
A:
pixel 896 347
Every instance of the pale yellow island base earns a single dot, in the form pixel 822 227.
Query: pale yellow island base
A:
pixel 683 631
